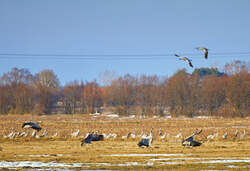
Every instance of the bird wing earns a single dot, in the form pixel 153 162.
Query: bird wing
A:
pixel 30 124
pixel 190 64
pixel 191 137
pixel 189 61
pixel 205 50
pixel 34 125
pixel 201 48
pixel 206 54
pixel 185 59
pixel 24 125
pixel 144 142
pixel 176 55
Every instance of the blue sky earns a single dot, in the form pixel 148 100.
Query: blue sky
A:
pixel 132 28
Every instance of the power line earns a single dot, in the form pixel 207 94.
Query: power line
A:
pixel 112 56
pixel 122 55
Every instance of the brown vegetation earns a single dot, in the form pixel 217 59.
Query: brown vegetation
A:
pixel 64 149
pixel 205 92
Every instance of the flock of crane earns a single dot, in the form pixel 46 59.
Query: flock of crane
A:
pixel 145 139
pixel 205 51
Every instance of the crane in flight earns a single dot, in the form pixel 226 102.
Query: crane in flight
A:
pixel 185 59
pixel 205 51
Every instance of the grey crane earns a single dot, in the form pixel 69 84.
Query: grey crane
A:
pixel 185 59
pixel 189 141
pixel 205 51
pixel 92 137
pixel 32 125
pixel 55 135
pixel 236 133
pixel 75 134
pixel 224 136
pixel 212 136
pixel 147 141
pixel 243 135
pixel 45 132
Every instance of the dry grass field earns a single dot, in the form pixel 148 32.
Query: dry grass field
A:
pixel 64 152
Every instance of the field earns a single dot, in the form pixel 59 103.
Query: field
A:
pixel 64 152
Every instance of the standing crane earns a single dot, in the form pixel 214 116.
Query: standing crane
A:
pixel 147 141
pixel 243 135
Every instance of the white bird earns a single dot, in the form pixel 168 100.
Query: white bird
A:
pixel 45 132
pixel 205 51
pixel 140 135
pixel 185 59
pixel 33 134
pixel 55 135
pixel 124 137
pixel 11 135
pixel 179 135
pixel 111 135
pixel 163 136
pixel 224 136
pixel 75 134
pixel 132 135
pixel 21 134
pixel 27 133
pixel 176 138
pixel 236 133
pixel 212 136
pixel 160 132
pixel 114 135
pixel 143 135
pixel 104 135
pixel 243 135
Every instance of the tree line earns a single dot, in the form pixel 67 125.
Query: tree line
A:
pixel 205 92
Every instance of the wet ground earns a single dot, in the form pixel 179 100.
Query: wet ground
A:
pixel 161 160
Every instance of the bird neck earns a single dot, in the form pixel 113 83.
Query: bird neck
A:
pixel 151 133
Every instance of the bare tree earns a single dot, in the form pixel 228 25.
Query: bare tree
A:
pixel 16 76
pixel 105 80
pixel 47 78
pixel 107 77
pixel 91 97
pixel 148 94
pixel 47 88
pixel 213 93
pixel 5 99
pixel 177 92
pixel 236 67
pixel 71 95
pixel 24 99
pixel 18 90
pixel 122 93
pixel 238 93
